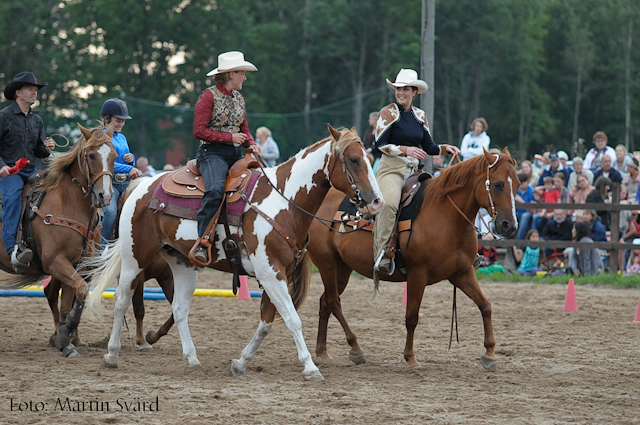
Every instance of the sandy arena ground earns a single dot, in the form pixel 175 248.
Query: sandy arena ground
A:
pixel 553 367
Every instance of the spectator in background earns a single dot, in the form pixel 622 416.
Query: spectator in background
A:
pixel 488 257
pixel 580 192
pixel 474 141
pixel 579 170
pixel 562 155
pixel 559 184
pixel 632 180
pixel 269 147
pixel 438 165
pixel 600 195
pixel 583 261
pixel 633 265
pixel 529 258
pixel 524 194
pixel 168 167
pixel 146 168
pixel 622 160
pixel 557 229
pixel 594 156
pixel 369 139
pixel 549 195
pixel 554 167
pixel 629 231
pixel 606 170
pixel 527 168
pixel 598 231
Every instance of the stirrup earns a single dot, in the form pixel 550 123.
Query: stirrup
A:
pixel 392 266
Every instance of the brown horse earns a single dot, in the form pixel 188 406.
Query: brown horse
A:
pixel 442 245
pixel 158 270
pixel 78 182
pixel 273 237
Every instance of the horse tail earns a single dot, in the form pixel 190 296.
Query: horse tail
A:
pixel 17 281
pixel 101 271
pixel 300 281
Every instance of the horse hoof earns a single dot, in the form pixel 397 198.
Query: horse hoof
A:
pixel 70 351
pixel 148 337
pixel 313 376
pixel 235 370
pixel 191 369
pixel 108 363
pixel 358 358
pixel 52 340
pixel 489 365
pixel 145 348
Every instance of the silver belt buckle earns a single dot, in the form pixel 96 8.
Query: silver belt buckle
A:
pixel 120 178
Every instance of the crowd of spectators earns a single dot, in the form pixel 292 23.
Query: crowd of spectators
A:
pixel 553 178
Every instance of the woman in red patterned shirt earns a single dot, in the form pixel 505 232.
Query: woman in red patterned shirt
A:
pixel 220 123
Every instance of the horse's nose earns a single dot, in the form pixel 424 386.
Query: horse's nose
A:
pixel 104 198
pixel 376 205
pixel 507 227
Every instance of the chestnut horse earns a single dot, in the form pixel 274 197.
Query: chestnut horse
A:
pixel 78 182
pixel 442 245
pixel 273 238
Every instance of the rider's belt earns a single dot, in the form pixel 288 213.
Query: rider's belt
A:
pixel 121 178
pixel 202 142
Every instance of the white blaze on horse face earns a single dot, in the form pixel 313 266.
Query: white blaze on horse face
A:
pixel 513 201
pixel 104 152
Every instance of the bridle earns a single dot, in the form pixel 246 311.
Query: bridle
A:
pixel 357 200
pixel 487 185
pixel 84 164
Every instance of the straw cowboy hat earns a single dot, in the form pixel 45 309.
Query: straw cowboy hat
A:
pixel 19 81
pixel 409 77
pixel 232 61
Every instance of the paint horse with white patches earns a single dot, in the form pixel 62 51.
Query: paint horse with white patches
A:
pixel 442 244
pixel 77 184
pixel 284 200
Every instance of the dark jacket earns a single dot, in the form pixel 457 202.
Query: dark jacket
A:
pixel 614 175
pixel 594 197
pixel 21 136
pixel 554 231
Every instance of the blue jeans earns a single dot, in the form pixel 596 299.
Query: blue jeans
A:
pixel 11 190
pixel 524 223
pixel 111 210
pixel 214 160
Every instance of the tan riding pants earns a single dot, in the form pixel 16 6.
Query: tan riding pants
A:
pixel 391 174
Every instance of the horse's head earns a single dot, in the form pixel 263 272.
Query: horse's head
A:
pixel 351 172
pixel 498 193
pixel 96 159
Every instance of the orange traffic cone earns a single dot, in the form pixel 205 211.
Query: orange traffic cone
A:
pixel 404 297
pixel 570 302
pixel 637 319
pixel 243 291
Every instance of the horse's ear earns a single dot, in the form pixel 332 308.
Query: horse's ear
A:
pixel 85 132
pixel 488 156
pixel 335 133
pixel 506 151
pixel 110 130
pixel 354 130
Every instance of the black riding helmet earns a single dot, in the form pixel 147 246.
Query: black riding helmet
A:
pixel 116 108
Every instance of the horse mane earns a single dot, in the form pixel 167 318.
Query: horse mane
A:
pixel 453 178
pixel 347 139
pixel 60 164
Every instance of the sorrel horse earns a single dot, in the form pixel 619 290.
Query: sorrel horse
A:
pixel 442 245
pixel 78 182
pixel 273 237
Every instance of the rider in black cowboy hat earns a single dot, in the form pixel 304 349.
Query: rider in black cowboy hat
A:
pixel 21 136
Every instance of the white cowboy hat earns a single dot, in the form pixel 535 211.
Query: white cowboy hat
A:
pixel 232 61
pixel 409 77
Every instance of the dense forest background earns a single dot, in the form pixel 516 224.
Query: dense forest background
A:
pixel 544 73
